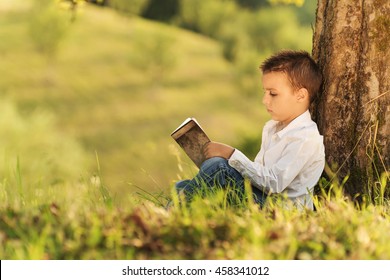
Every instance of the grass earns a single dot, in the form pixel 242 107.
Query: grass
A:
pixel 90 228
pixel 56 224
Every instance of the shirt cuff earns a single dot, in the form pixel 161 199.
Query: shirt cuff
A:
pixel 238 160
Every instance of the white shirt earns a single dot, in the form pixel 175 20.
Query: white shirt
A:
pixel 290 161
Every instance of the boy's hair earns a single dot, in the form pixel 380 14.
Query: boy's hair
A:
pixel 301 70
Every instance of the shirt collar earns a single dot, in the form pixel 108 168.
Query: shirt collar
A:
pixel 299 121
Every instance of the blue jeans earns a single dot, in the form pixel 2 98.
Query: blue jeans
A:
pixel 217 173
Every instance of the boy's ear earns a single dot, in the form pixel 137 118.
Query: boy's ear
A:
pixel 302 94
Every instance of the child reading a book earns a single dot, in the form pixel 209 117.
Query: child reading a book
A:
pixel 291 158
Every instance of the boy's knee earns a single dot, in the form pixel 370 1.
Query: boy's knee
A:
pixel 180 185
pixel 213 162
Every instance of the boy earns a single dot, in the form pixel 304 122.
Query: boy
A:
pixel 291 158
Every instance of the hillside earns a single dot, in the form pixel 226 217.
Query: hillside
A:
pixel 120 85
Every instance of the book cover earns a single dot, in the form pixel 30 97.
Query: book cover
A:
pixel 191 138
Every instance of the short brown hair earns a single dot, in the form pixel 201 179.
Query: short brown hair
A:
pixel 301 69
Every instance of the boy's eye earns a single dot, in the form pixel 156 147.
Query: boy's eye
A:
pixel 272 93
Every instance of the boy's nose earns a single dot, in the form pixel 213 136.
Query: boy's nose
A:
pixel 265 99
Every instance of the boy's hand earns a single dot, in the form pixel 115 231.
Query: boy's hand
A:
pixel 214 149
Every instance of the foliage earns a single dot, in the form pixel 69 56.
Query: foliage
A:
pixel 245 34
pixel 269 32
pixel 134 7
pixel 161 10
pixel 252 4
pixel 269 28
pixel 306 13
pixel 248 35
pixel 206 17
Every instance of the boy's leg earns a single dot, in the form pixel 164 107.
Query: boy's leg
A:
pixel 216 172
pixel 258 196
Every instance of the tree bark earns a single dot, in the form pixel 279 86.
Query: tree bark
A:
pixel 351 44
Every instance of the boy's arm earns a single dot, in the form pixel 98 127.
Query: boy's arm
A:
pixel 276 177
pixel 214 149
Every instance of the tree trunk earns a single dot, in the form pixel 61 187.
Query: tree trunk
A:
pixel 351 43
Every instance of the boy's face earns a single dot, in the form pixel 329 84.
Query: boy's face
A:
pixel 281 100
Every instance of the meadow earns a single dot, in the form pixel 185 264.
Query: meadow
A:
pixel 88 163
pixel 119 86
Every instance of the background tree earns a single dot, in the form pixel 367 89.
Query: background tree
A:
pixel 134 7
pixel 352 45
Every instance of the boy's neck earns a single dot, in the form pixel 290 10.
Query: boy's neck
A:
pixel 282 125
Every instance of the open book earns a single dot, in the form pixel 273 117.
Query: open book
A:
pixel 191 138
